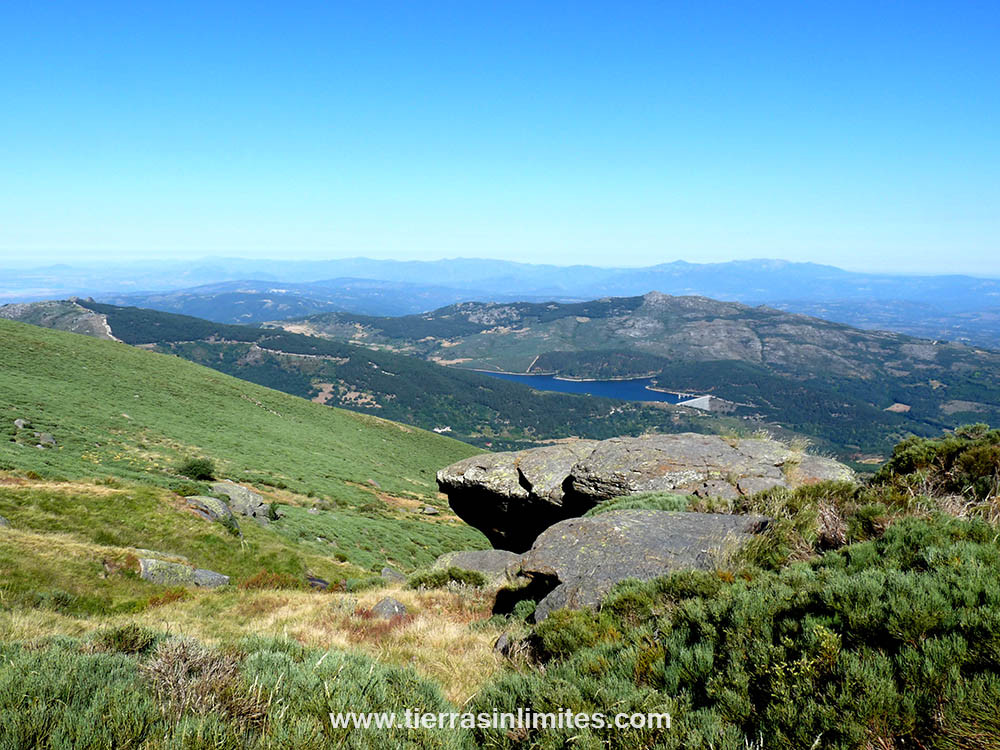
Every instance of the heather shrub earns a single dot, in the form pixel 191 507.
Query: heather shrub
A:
pixel 198 469
pixel 890 642
pixel 439 578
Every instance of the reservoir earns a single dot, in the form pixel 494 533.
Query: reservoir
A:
pixel 627 390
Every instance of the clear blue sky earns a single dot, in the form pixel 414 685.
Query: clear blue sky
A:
pixel 865 135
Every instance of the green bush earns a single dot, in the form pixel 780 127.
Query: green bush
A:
pixel 966 462
pixel 198 469
pixel 262 693
pixel 126 639
pixel 890 642
pixel 439 578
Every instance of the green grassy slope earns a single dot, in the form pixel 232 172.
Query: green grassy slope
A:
pixel 120 411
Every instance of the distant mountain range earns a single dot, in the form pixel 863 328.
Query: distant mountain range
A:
pixel 233 290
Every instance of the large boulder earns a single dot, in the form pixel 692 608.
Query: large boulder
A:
pixel 492 563
pixel 513 497
pixel 577 561
pixel 244 501
pixel 178 574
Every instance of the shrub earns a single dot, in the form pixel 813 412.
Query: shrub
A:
pixel 198 469
pixel 439 578
pixel 644 501
pixel 355 585
pixel 965 462
pixel 125 639
pixel 890 642
pixel 265 579
pixel 169 596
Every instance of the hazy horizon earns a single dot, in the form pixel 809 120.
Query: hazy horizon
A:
pixel 146 262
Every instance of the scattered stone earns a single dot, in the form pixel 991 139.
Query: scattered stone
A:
pixel 430 510
pixel 503 645
pixel 313 511
pixel 320 584
pixel 495 564
pixel 388 608
pixel 177 574
pixel 374 484
pixel 244 501
pixel 4 523
pixel 513 497
pixel 210 508
pixel 20 423
pixel 392 576
pixel 45 439
pixel 576 562
pixel 209 579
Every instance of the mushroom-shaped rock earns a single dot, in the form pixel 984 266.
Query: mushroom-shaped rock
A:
pixel 513 497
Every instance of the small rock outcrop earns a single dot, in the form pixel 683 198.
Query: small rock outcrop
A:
pixel 388 608
pixel 210 508
pixel 513 497
pixel 45 440
pixel 576 562
pixel 244 501
pixel 492 563
pixel 391 575
pixel 177 574
pixel 4 523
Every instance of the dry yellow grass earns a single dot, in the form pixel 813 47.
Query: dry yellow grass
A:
pixel 437 641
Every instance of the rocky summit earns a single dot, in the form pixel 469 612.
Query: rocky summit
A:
pixel 513 497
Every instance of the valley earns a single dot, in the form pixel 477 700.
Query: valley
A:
pixel 851 391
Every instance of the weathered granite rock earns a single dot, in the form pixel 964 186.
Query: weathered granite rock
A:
pixel 492 563
pixel 430 510
pixel 210 508
pixel 513 497
pixel 20 423
pixel 4 523
pixel 45 439
pixel 177 574
pixel 388 608
pixel 392 576
pixel 244 501
pixel 577 561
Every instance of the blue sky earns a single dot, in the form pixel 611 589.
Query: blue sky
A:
pixel 864 135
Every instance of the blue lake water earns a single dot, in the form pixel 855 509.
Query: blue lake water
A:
pixel 627 390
